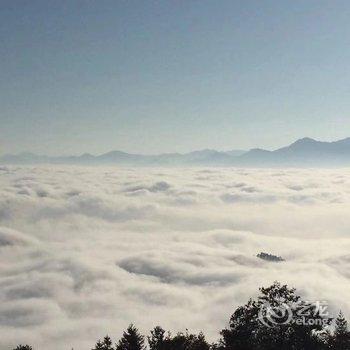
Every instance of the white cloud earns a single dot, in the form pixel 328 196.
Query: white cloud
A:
pixel 85 251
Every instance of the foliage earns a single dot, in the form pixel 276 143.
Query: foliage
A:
pixel 247 332
pixel 131 340
pixel 106 344
pixel 340 340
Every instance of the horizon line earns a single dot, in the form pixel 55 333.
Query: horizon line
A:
pixel 167 153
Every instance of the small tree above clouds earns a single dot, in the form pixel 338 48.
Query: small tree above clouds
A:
pixel 23 347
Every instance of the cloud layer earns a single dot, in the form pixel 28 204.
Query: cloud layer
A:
pixel 85 251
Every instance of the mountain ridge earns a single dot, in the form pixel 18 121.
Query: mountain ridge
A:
pixel 303 152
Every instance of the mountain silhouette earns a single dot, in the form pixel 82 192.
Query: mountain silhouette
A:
pixel 305 152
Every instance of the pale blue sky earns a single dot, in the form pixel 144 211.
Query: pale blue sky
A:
pixel 172 76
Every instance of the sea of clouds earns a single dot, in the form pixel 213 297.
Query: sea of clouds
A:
pixel 86 251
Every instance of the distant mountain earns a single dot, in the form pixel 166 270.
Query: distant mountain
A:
pixel 303 152
pixel 236 152
pixel 203 157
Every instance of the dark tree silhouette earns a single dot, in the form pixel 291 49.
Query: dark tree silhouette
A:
pixel 157 340
pixel 340 340
pixel 106 344
pixel 186 341
pixel 181 341
pixel 198 342
pixel 98 346
pixel 242 328
pixel 131 340
pixel 295 323
pixel 23 347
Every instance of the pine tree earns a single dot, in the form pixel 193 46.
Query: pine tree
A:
pixel 341 337
pixel 131 340
pixel 98 346
pixel 157 339
pixel 199 342
pixel 23 347
pixel 341 325
pixel 106 344
pixel 185 341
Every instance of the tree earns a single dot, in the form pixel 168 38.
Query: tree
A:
pixel 131 340
pixel 198 342
pixel 242 328
pixel 340 340
pixel 23 347
pixel 157 340
pixel 181 341
pixel 186 341
pixel 296 325
pixel 278 319
pixel 98 346
pixel 106 344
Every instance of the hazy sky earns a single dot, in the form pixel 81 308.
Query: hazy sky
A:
pixel 164 76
